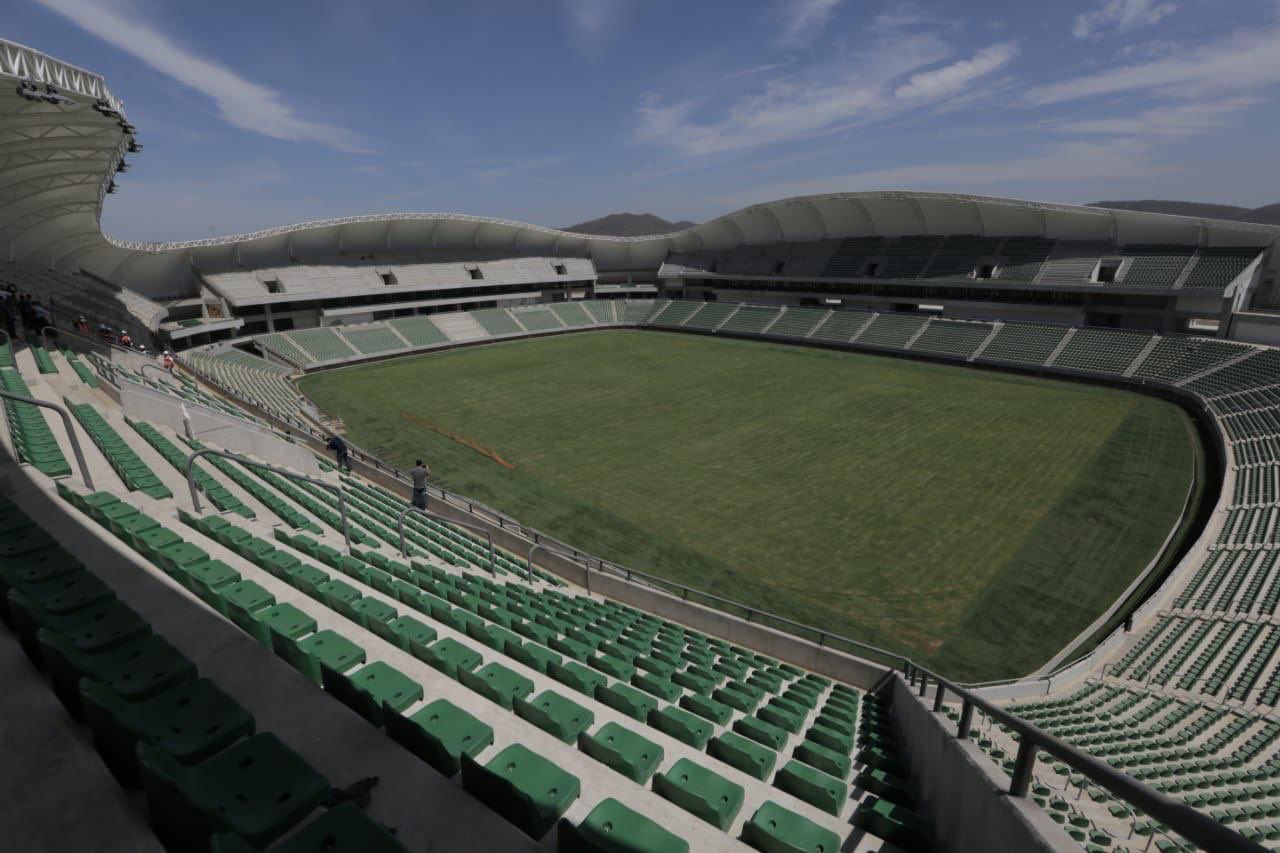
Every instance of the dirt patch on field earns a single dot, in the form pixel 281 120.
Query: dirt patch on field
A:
pixel 471 444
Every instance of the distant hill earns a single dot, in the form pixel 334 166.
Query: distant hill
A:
pixel 629 225
pixel 1269 215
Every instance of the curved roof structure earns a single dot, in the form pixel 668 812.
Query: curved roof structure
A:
pixel 57 160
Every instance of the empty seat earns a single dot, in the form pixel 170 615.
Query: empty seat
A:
pixel 746 755
pixel 700 792
pixel 681 725
pixel 138 669
pixel 622 750
pixel 813 786
pixel 257 789
pixel 190 722
pixel 522 786
pixel 497 683
pixel 555 714
pixel 343 828
pixel 611 827
pixel 371 689
pixel 773 829
pixel 440 733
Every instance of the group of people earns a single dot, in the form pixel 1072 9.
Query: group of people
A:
pixel 419 473
pixel 18 307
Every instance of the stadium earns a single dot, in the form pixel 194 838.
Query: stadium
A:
pixel 856 521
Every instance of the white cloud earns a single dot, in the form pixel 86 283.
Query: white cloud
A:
pixel 1058 163
pixel 1167 123
pixel 1244 61
pixel 592 21
pixel 802 20
pixel 877 85
pixel 242 103
pixel 1121 16
pixel 958 75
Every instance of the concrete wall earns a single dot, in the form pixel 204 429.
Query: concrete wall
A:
pixel 234 434
pixel 962 790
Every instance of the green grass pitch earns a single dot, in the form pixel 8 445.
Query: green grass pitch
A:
pixel 976 521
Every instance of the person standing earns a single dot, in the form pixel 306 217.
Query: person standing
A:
pixel 340 452
pixel 420 472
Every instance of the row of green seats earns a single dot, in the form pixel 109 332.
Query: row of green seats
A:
pixel 81 369
pixel 207 777
pixel 264 495
pixel 221 496
pixel 28 429
pixel 44 362
pixel 134 472
pixel 316 507
pixel 449 738
pixel 460 547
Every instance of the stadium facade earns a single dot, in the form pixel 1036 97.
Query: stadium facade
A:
pixel 962 255
pixel 1180 710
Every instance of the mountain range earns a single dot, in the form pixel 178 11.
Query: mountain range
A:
pixel 646 224
pixel 629 225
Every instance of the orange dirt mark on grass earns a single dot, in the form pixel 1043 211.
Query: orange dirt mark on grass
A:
pixel 418 420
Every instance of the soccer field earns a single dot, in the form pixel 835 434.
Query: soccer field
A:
pixel 976 521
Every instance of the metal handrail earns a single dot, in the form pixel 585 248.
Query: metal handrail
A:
pixel 1187 822
pixel 528 561
pixel 66 423
pixel 292 475
pixel 404 550
pixel 142 371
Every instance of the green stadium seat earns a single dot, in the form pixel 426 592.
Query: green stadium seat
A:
pixel 342 828
pixel 323 648
pixel 137 669
pixel 555 714
pixel 257 789
pixel 622 750
pixel 626 699
pixel 497 683
pixel 895 824
pixel 761 732
pixel 829 761
pixel 707 708
pixel 681 725
pixel 408 633
pixel 700 792
pixel 746 755
pixel 371 689
pixel 611 827
pixel 523 787
pixel 190 721
pixel 813 786
pixel 451 657
pixel 773 829
pixel 440 733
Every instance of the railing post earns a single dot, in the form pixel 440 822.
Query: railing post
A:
pixel 966 720
pixel 937 699
pixel 1023 767
pixel 66 424
pixel 528 559
pixel 924 683
pixel 44 335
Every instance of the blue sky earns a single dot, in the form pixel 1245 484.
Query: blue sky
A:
pixel 256 114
